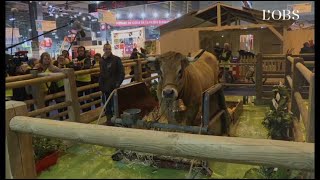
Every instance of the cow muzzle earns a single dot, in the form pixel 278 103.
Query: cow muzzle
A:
pixel 170 93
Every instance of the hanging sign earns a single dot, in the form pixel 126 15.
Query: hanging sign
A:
pixel 42 25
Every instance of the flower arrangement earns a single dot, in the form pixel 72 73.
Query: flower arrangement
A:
pixel 44 146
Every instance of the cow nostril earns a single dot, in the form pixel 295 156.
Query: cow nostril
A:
pixel 168 92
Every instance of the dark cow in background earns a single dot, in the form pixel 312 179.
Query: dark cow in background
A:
pixel 243 53
pixel 181 79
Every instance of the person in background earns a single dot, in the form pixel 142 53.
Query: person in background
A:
pixel 95 77
pixel 111 77
pixel 65 53
pixel 45 65
pixel 32 62
pixel 226 55
pixel 306 48
pixel 62 62
pixel 80 63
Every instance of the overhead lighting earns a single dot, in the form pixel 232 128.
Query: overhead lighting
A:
pixel 53 33
pixel 30 30
pixel 130 15
pixel 75 16
pixel 89 17
pixel 98 32
pixel 12 19
pixel 61 15
pixel 155 14
pixel 84 18
pixel 93 20
pixel 57 15
pixel 178 15
pixel 118 15
pixel 222 36
pixel 80 13
pixel 50 6
pixel 167 15
pixel 143 15
pixel 56 37
pixel 97 2
pixel 50 14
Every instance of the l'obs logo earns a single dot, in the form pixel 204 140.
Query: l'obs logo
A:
pixel 284 15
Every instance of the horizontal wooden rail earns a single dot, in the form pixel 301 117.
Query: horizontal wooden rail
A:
pixel 64 113
pixel 90 96
pixel 289 79
pixel 150 78
pixel 273 72
pixel 49 108
pixel 129 76
pixel 87 71
pixel 275 153
pixel 273 75
pixel 302 108
pixel 86 87
pixel 229 84
pixel 307 74
pixel 88 117
pixel 309 63
pixel 18 84
pixel 87 105
pixel 19 78
pixel 240 64
pixel 129 64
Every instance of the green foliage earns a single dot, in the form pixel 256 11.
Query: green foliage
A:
pixel 278 120
pixel 44 146
pixel 271 173
pixel 153 89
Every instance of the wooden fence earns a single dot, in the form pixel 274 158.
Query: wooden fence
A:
pixel 35 79
pixel 20 128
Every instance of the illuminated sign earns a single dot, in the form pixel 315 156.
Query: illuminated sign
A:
pixel 106 5
pixel 156 22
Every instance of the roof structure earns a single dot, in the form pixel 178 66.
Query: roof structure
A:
pixel 209 17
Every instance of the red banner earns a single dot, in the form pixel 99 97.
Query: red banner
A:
pixel 156 22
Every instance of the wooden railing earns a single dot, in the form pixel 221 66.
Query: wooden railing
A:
pixel 297 74
pixel 35 79
pixel 20 128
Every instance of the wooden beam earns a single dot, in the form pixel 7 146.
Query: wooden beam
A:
pixel 20 150
pixel 231 27
pixel 276 32
pixel 311 111
pixel 292 155
pixel 219 14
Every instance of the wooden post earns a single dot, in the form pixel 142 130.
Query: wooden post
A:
pixel 20 150
pixel 296 82
pixel 138 71
pixel 218 15
pixel 38 93
pixel 8 168
pixel 70 89
pixel 288 71
pixel 311 112
pixel 258 77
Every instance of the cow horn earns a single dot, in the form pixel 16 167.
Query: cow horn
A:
pixel 151 59
pixel 190 59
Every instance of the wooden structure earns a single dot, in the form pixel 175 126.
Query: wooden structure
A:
pixel 293 155
pixel 220 23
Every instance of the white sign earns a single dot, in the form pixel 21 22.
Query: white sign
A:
pixel 42 25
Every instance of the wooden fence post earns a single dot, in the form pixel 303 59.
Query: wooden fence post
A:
pixel 311 111
pixel 297 78
pixel 20 150
pixel 38 93
pixel 258 77
pixel 70 89
pixel 138 71
pixel 288 71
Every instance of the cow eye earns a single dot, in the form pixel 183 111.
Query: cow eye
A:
pixel 180 74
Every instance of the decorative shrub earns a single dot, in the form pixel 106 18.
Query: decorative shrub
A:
pixel 44 146
pixel 278 120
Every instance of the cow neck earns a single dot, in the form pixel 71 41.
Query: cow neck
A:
pixel 183 84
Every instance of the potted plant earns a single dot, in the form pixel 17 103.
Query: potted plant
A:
pixel 278 120
pixel 46 151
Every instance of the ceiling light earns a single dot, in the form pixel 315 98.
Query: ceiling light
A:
pixel 222 36
pixel 155 15
pixel 178 15
pixel 98 32
pixel 143 15
pixel 130 15
pixel 12 19
pixel 84 18
pixel 167 15
pixel 118 15
pixel 30 30
pixel 57 15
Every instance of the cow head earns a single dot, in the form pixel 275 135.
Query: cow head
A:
pixel 171 67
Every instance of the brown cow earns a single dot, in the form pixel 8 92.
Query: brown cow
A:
pixel 181 79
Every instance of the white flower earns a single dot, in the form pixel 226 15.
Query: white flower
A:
pixel 278 97
pixel 275 169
